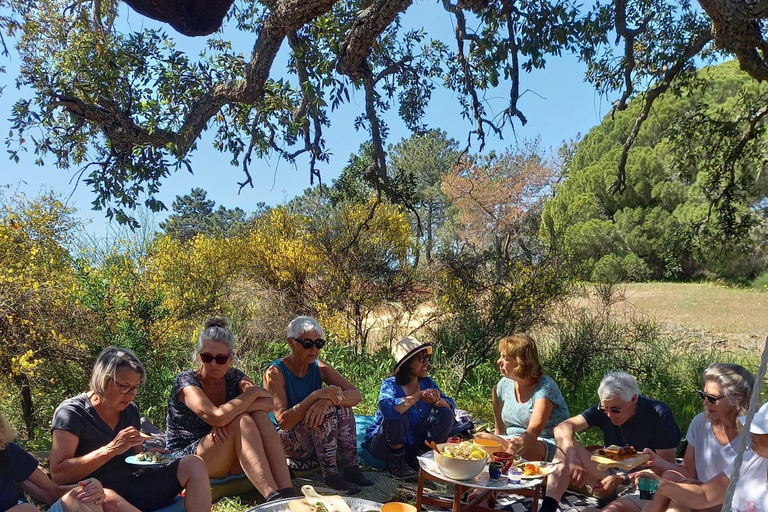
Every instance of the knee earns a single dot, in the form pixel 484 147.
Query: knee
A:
pixel 24 507
pixel 673 476
pixel 192 466
pixel 69 501
pixel 245 422
pixel 444 414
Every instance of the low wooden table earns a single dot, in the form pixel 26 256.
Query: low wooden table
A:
pixel 428 470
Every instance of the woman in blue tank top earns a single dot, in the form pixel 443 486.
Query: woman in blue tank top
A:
pixel 315 420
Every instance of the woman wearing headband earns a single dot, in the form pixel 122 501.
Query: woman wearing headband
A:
pixel 215 411
pixel 315 421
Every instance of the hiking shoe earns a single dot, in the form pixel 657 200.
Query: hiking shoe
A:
pixel 355 475
pixel 335 481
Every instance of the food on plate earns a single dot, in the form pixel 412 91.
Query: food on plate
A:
pixel 614 452
pixel 318 502
pixel 465 451
pixel 153 457
pixel 531 470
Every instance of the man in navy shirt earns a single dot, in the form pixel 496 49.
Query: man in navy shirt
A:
pixel 625 418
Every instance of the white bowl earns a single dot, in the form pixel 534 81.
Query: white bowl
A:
pixel 459 469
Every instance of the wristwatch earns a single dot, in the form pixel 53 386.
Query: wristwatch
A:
pixel 626 481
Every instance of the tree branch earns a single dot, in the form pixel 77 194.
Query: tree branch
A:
pixel 124 133
pixel 363 34
pixel 620 184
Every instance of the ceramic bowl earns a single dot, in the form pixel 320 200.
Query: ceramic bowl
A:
pixel 459 469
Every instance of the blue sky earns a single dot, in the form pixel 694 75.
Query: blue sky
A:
pixel 557 102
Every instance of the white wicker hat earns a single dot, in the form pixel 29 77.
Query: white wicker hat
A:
pixel 406 348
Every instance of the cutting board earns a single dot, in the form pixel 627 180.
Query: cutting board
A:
pixel 604 463
pixel 312 498
pixel 300 506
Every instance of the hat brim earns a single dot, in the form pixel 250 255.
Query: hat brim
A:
pixel 406 357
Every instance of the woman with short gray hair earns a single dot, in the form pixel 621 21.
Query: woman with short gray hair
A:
pixel 713 436
pixel 94 432
pixel 215 411
pixel 107 365
pixel 315 421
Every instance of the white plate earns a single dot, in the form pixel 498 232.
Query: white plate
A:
pixel 547 468
pixel 131 459
pixel 481 481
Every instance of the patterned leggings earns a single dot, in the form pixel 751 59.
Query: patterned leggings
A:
pixel 336 435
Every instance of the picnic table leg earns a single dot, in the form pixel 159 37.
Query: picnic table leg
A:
pixel 535 506
pixel 420 489
pixel 458 490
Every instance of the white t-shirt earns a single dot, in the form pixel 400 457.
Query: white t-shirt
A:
pixel 752 489
pixel 711 457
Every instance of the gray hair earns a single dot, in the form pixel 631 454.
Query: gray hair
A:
pixel 216 329
pixel 109 361
pixel 736 382
pixel 618 384
pixel 302 324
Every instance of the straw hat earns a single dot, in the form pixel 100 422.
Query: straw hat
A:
pixel 407 347
pixel 760 421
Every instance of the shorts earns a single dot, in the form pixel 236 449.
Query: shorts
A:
pixel 627 492
pixel 152 489
pixel 549 446
pixel 56 507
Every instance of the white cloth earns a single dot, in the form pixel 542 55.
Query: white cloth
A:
pixel 752 488
pixel 711 457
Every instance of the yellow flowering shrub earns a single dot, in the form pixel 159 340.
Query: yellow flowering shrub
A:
pixel 40 321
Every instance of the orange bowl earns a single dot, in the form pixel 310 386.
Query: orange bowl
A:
pixel 396 506
pixel 487 445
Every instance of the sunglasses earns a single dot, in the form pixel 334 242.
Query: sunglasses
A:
pixel 606 410
pixel 712 398
pixel 220 359
pixel 126 389
pixel 424 357
pixel 307 343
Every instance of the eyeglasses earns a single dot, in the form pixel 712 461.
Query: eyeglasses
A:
pixel 424 357
pixel 307 343
pixel 712 398
pixel 127 389
pixel 220 359
pixel 606 410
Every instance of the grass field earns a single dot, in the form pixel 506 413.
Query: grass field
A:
pixel 738 316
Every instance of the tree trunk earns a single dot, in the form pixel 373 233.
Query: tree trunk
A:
pixel 429 234
pixel 26 404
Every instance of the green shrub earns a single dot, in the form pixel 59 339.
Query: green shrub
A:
pixel 761 282
pixel 613 268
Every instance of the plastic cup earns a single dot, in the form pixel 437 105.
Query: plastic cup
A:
pixel 515 476
pixel 647 488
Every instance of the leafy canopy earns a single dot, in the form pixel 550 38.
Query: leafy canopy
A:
pixel 127 107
